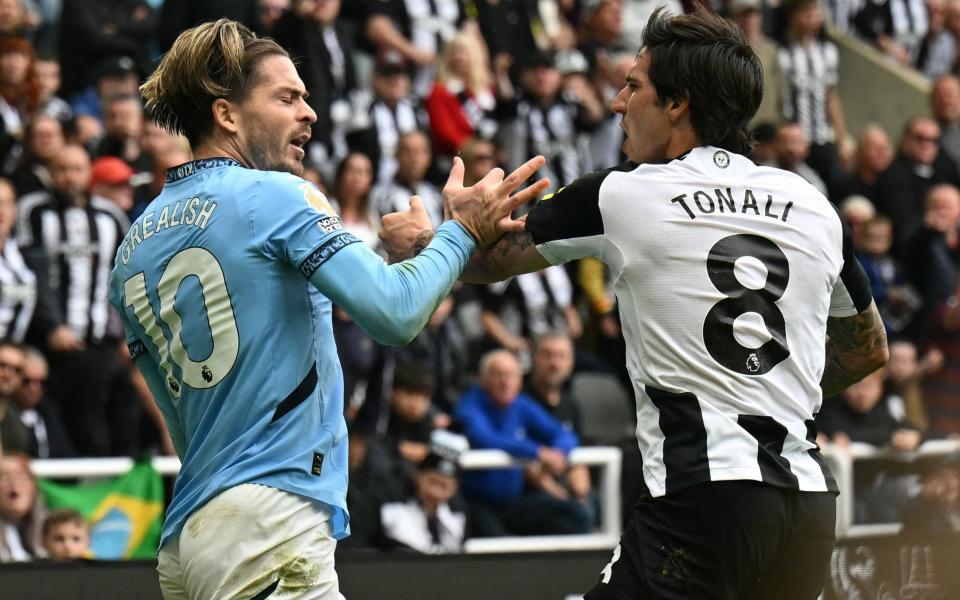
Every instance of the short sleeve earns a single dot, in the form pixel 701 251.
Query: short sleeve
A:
pixel 851 292
pixel 567 225
pixel 293 222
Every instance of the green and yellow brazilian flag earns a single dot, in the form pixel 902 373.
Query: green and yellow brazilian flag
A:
pixel 125 514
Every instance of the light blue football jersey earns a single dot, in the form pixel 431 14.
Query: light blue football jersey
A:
pixel 216 283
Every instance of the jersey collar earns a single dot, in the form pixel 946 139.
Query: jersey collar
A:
pixel 195 166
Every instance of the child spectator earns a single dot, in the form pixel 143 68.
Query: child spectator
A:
pixel 412 419
pixel 896 299
pixel 66 535
pixel 21 509
pixel 427 519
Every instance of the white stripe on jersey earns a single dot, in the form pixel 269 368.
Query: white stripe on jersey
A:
pixel 77 255
pixel 106 245
pixel 51 232
pixel 18 293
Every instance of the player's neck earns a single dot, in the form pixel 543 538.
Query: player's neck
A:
pixel 682 142
pixel 211 148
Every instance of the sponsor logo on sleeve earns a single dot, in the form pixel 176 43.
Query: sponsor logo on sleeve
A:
pixel 329 224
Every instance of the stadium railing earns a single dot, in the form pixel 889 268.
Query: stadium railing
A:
pixel 843 461
pixel 607 459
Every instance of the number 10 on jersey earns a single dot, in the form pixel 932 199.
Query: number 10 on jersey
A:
pixel 202 374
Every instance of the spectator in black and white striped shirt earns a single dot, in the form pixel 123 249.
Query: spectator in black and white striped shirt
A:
pixel 18 284
pixel 71 238
pixel 809 72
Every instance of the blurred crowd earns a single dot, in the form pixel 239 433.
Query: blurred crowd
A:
pixel 400 87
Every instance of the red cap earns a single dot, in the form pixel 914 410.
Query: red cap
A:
pixel 110 170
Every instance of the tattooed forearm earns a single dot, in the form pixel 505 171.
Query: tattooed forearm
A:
pixel 856 346
pixel 515 240
pixel 513 254
pixel 423 239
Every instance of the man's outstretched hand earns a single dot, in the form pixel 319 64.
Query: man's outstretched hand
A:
pixel 484 208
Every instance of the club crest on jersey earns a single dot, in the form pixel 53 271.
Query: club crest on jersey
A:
pixel 721 159
pixel 316 199
pixel 753 363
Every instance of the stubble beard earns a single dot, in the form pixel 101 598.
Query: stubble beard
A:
pixel 263 159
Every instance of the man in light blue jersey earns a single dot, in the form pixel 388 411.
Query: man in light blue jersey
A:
pixel 225 285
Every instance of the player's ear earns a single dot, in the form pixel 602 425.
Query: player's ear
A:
pixel 225 115
pixel 678 107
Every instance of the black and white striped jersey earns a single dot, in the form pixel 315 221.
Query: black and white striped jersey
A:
pixel 78 245
pixel 18 293
pixel 557 131
pixel 725 274
pixel 807 72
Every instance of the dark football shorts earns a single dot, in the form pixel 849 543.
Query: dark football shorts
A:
pixel 729 539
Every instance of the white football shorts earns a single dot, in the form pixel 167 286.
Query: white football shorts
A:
pixel 252 542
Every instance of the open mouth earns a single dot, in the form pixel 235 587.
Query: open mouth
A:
pixel 300 141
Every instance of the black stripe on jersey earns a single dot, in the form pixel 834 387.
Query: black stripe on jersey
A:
pixel 684 438
pixel 852 275
pixel 770 435
pixel 298 395
pixel 572 212
pixel 325 251
pixel 815 455
pixel 65 282
pixel 93 241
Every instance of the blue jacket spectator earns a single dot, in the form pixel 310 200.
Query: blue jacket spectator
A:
pixel 521 428
pixel 528 500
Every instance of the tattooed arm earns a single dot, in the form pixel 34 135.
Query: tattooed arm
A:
pixel 513 254
pixel 856 346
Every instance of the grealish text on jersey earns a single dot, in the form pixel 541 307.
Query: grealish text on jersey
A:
pixel 189 212
pixel 724 201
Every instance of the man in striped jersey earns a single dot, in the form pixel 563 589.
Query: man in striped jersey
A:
pixel 809 69
pixel 69 238
pixel 742 306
